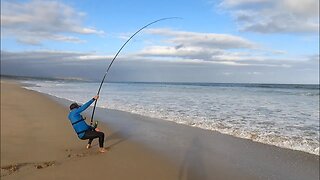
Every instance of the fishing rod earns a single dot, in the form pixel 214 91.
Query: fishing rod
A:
pixel 114 58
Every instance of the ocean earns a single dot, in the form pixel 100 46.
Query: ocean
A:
pixel 278 114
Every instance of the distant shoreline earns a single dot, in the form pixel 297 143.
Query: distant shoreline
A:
pixel 266 85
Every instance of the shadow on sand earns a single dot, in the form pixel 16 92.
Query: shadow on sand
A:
pixel 117 135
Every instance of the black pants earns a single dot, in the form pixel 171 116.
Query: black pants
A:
pixel 91 134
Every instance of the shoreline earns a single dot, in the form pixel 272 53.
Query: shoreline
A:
pixel 65 103
pixel 185 152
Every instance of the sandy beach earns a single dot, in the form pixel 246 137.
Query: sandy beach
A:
pixel 38 142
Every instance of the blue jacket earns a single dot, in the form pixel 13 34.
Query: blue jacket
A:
pixel 77 121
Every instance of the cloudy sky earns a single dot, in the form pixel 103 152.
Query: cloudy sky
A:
pixel 233 41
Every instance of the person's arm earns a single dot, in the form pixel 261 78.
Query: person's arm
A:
pixel 87 104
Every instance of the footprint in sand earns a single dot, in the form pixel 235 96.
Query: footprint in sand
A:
pixel 10 169
pixel 13 168
pixel 84 154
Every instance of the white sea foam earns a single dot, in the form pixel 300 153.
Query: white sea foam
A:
pixel 285 117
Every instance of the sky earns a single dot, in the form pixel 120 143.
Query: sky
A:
pixel 219 41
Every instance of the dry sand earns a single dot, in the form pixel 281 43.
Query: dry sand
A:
pixel 38 142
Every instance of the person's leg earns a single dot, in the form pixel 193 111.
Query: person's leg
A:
pixel 86 136
pixel 101 139
pixel 92 135
pixel 89 143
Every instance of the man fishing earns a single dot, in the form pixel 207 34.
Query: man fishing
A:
pixel 83 130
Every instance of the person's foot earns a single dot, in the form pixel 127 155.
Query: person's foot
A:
pixel 102 150
pixel 88 146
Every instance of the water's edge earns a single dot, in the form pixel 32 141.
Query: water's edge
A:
pixel 64 102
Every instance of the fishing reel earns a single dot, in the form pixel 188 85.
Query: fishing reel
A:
pixel 95 124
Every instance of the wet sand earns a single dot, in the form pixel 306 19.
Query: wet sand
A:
pixel 38 142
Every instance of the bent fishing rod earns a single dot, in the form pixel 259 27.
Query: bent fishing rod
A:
pixel 114 58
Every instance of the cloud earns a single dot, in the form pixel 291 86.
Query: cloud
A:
pixel 274 16
pixel 69 64
pixel 134 68
pixel 209 40
pixel 211 48
pixel 243 3
pixel 36 21
pixel 178 48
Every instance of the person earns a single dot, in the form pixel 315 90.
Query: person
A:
pixel 83 130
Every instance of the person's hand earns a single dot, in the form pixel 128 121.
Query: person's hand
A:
pixel 97 129
pixel 96 97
